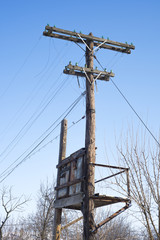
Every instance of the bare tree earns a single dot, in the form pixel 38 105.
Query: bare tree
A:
pixel 73 231
pixel 17 230
pixel 144 163
pixel 118 229
pixel 9 204
pixel 40 223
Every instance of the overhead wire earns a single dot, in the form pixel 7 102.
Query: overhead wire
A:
pixel 45 135
pixel 20 68
pixel 117 60
pixel 72 106
pixel 34 117
pixel 129 104
pixel 33 94
pixel 79 46
pixel 37 140
pixel 144 124
pixel 59 56
pixel 46 101
pixel 49 142
pixel 29 124
pixel 48 59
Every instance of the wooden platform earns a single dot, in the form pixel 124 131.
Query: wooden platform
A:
pixel 103 200
pixel 75 202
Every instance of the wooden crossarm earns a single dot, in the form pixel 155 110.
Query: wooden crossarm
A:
pixel 89 70
pixel 88 37
pixel 78 40
pixel 81 72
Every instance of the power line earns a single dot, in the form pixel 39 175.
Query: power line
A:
pixel 39 84
pixel 59 56
pixel 7 172
pixel 31 121
pixel 80 46
pixel 34 93
pixel 23 64
pixel 48 59
pixel 39 139
pixel 43 105
pixel 129 104
pixel 73 124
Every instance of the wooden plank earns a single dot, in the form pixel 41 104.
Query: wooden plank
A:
pixel 77 172
pixel 72 157
pixel 78 40
pixel 89 37
pixel 69 183
pixel 99 201
pixel 110 198
pixel 71 223
pixel 69 201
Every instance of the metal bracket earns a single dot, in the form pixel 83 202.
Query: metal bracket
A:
pixel 121 210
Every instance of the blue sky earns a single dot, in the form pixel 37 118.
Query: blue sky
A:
pixel 31 64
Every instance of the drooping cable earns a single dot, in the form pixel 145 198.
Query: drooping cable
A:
pixel 20 68
pixel 29 124
pixel 79 46
pixel 8 171
pixel 35 92
pixel 129 104
pixel 46 132
pixel 49 142
pixel 43 105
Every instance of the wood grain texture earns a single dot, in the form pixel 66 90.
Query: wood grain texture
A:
pixel 62 155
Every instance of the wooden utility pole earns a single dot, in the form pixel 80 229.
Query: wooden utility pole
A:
pixel 91 75
pixel 62 155
pixel 88 204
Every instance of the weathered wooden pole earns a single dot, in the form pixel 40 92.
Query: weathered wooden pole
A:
pixel 89 41
pixel 88 203
pixel 62 155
